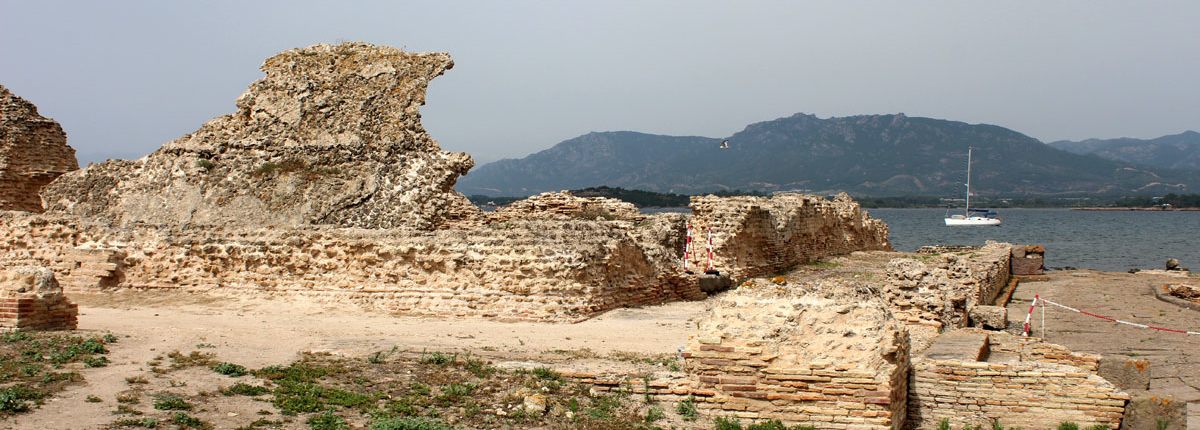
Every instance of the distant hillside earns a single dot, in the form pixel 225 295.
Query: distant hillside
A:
pixel 1179 151
pixel 868 155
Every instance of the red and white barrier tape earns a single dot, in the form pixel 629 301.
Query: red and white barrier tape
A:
pixel 1101 317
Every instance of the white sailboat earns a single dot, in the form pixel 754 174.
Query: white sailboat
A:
pixel 972 216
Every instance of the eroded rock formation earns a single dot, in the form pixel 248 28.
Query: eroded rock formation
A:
pixel 33 152
pixel 332 135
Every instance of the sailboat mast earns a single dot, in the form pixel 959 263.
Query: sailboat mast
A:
pixel 968 181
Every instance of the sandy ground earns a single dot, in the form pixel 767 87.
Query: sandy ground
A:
pixel 260 332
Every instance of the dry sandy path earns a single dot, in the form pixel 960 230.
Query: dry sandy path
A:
pixel 260 332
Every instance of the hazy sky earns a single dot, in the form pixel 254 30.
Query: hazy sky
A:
pixel 124 77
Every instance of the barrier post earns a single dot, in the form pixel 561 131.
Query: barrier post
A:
pixel 1030 316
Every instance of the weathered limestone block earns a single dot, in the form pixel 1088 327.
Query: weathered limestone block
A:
pixel 989 317
pixel 1028 260
pixel 331 136
pixel 822 354
pixel 1125 373
pixel 31 299
pixel 33 151
pixel 755 236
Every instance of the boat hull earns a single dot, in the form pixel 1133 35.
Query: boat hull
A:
pixel 975 220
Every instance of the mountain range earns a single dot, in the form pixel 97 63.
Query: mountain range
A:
pixel 1178 151
pixel 866 155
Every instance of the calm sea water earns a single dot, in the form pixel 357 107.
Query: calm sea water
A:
pixel 1100 240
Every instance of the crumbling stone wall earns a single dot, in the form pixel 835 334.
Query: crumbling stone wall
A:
pixel 331 136
pixel 828 355
pixel 31 299
pixel 935 292
pixel 1021 382
pixel 33 151
pixel 755 236
pixel 563 205
pixel 564 270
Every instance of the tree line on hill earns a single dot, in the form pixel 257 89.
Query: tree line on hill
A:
pixel 650 199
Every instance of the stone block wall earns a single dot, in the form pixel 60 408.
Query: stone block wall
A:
pixel 1022 383
pixel 940 291
pixel 546 270
pixel 819 354
pixel 31 299
pixel 755 236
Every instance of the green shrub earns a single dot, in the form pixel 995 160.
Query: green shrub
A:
pixel 136 422
pixel 230 369
pixel 170 402
pixel 408 424
pixel 722 423
pixel 687 408
pixel 654 414
pixel 185 421
pixel 547 374
pixel 242 389
pixel 944 424
pixel 1067 425
pixel 205 164
pixel 437 358
pixel 326 421
pixel 13 400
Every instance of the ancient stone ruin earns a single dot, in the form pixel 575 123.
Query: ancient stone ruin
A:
pixel 828 355
pixel 331 136
pixel 31 299
pixel 33 152
pixel 324 184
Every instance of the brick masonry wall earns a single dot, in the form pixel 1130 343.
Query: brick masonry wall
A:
pixel 1022 382
pixel 825 354
pixel 545 270
pixel 32 313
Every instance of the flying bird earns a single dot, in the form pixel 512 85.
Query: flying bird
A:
pixel 725 144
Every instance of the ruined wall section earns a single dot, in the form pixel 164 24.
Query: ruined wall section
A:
pixel 827 355
pixel 564 205
pixel 1021 382
pixel 934 292
pixel 523 270
pixel 31 299
pixel 33 152
pixel 331 136
pixel 754 236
